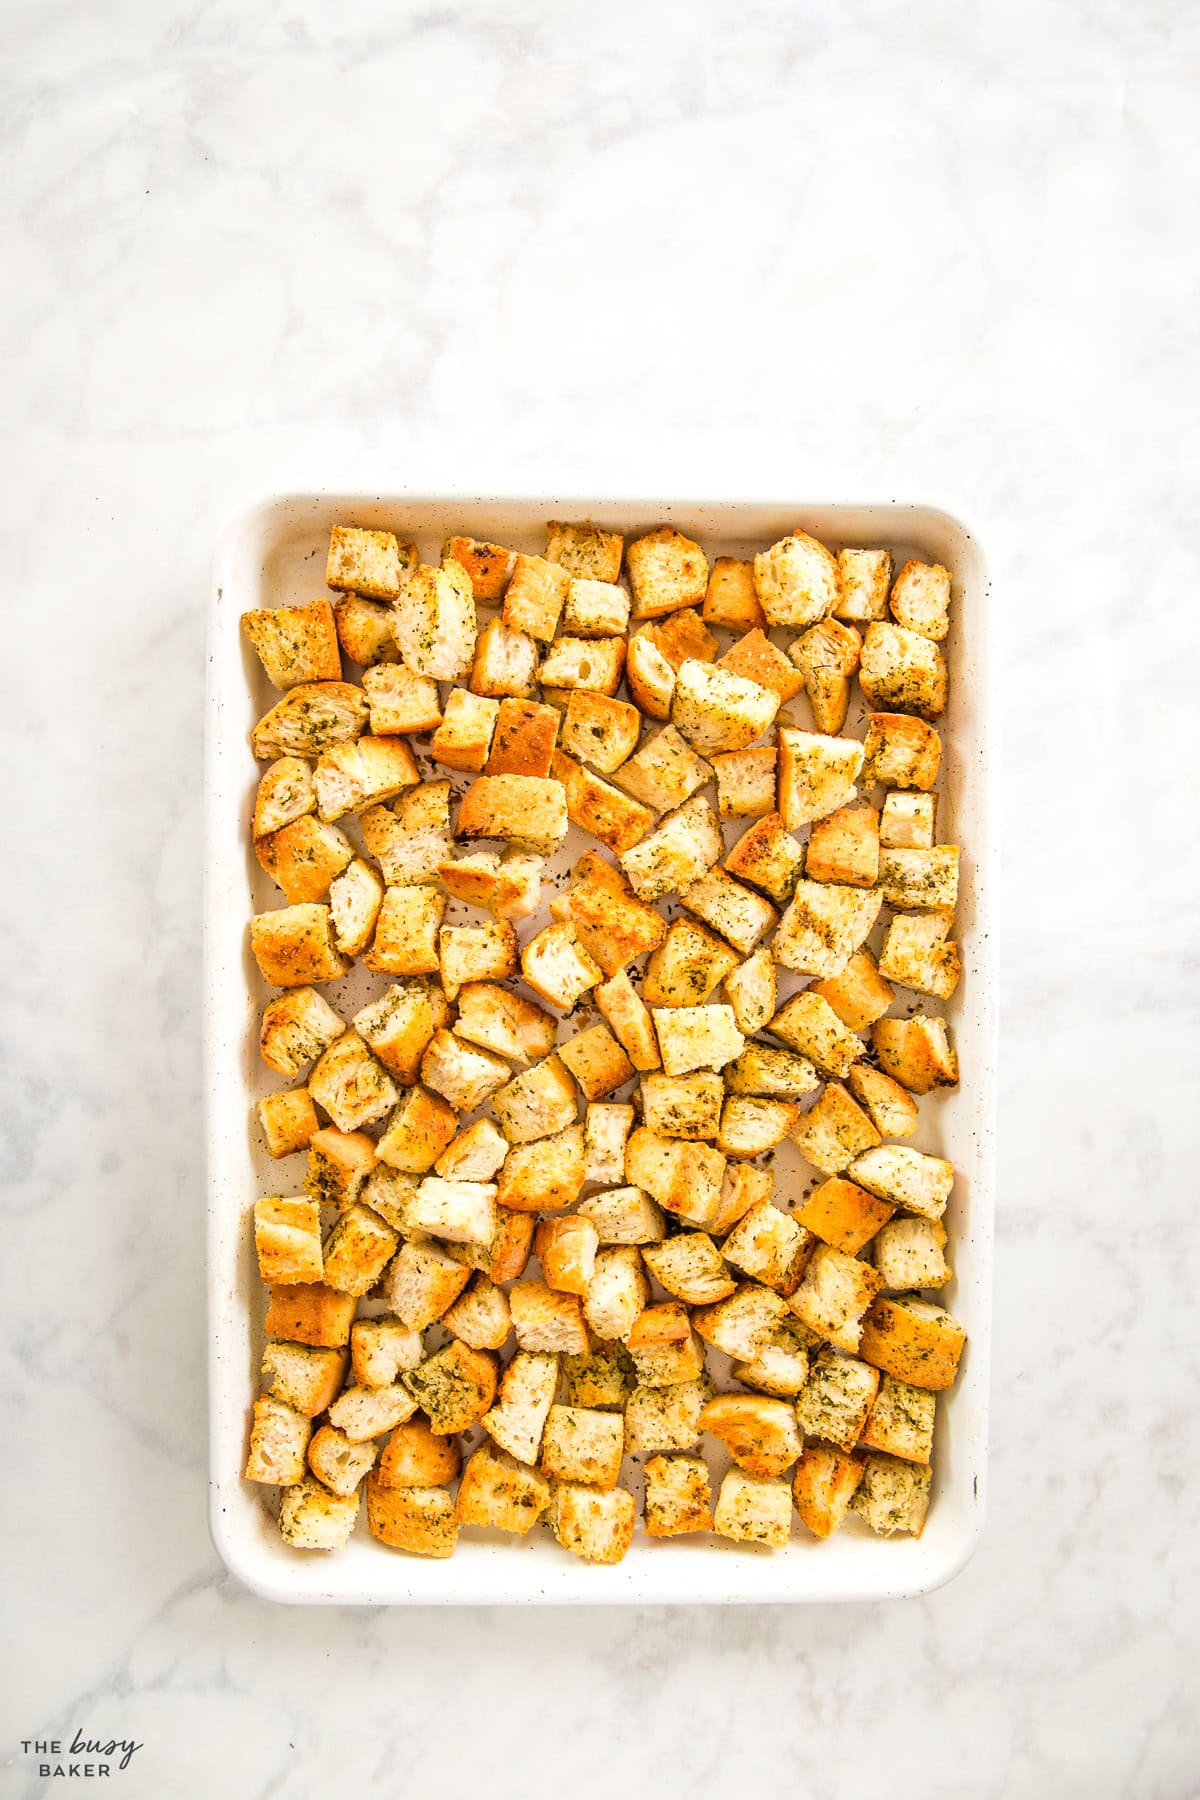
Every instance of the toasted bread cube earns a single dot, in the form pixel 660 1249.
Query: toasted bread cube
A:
pixel 293 946
pixel 833 1131
pixel 537 1103
pixel 666 1417
pixel 893 1496
pixel 751 1127
pixel 295 643
pixel 906 822
pixel 751 991
pixel 684 1178
pixel 469 953
pixel 716 710
pixel 309 719
pixel 892 1109
pixel 524 738
pixel 753 1510
pixel 355 897
pixel 566 1248
pixel 836 1398
pixel 584 551
pixel 796 580
pixel 597 807
pixel 683 636
pixel 454 1387
pixel 544 1176
pixel 666 1322
pixel 858 994
pixel 546 1321
pixel 604 1377
pixel 696 1037
pixel 587 663
pixel 901 751
pixel 650 677
pixel 488 566
pixel 769 1246
pixel 279 1437
pixel 557 967
pixel 434 622
pixel 286 793
pixel 756 658
pixel 496 1491
pixel 678 1496
pixel 769 858
pixel 808 1024
pixel 461 1212
pixel 742 1186
pixel 503 1022
pixel 611 924
pixel 518 1419
pixel 359 1249
pixel 666 571
pixel 362 1413
pixel 353 1088
pixel 772 1074
pixel 341 1169
pixel 827 657
pixel 464 737
pixel 411 838
pixel 617 1292
pixel 780 1365
pixel 389 1193
pixel 816 774
pixel 366 562
pixel 834 1296
pixel 418 1131
pixel 508 886
pixel 665 771
pixel 288 1121
pixel 536 595
pixel 911 1253
pixel 366 772
pixel 916 953
pixel 364 629
pixel 419 1520
pixel 920 878
pixel 301 1376
pixel 913 1339
pixel 480 1316
pixel 311 1518
pixel 381 1349
pixel 823 927
pixel 760 1434
pixel 624 1215
pixel 823 1486
pixel 916 1052
pixel 731 599
pixel 523 808
pixel 509 1251
pixel 422 1281
pixel 287 1239
pixel 901 671
pixel 746 782
pixel 863 579
pixel 600 730
pixel 740 916
pixel 606 1132
pixel 304 857
pixel 406 932
pixel 921 599
pixel 595 609
pixel 741 1324
pixel 338 1462
pixel 399 1025
pixel 683 1106
pixel 584 1445
pixel 901 1421
pixel 630 1020
pixel 687 966
pixel 309 1313
pixel 843 1214
pixel 597 1062
pixel 416 1456
pixel 690 1267
pixel 592 1523
pixel 844 846
pixel 671 1364
pixel 906 1178
pixel 505 662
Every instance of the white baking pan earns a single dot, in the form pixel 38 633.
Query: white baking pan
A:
pixel 274 552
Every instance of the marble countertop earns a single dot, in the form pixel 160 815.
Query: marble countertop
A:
pixel 844 247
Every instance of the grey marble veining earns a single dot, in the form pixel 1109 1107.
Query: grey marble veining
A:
pixel 839 248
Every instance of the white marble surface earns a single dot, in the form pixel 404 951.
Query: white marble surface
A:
pixel 837 247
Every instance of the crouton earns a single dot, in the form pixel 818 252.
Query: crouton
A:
pixel 921 599
pixel 740 916
pixel 742 1323
pixel 668 1364
pixel 480 1316
pixel 911 1253
pixel 390 1193
pixel 816 774
pixel 584 551
pixel 406 932
pixel 687 966
pixel 678 1496
pixel 287 1239
pixel 503 1022
pixel 901 751
pixel 498 1492
pixel 892 1110
pixel 826 658
pixel 536 595
pixel 650 677
pixel 287 1121
pixel 311 718
pixel 365 772
pixel 508 886
pixel 823 1487
pixel 780 1365
pixel 617 1292
pixel 906 822
pixel 603 1378
pixel 488 566
pixel 769 1246
pixel 303 858
pixel 742 1186
pixel 893 1495
pixel 716 710
pixel 795 580
pixel 760 1434
pixel 367 562
pixel 295 643
pixel 600 730
pixel 696 1037
pixel 666 571
pixel 916 953
pixel 416 1456
pixel 731 599
pixel 311 1518
pixel 364 629
pixel 434 622
pixel 279 1437
pixel 419 1520
pixel 690 1267
pixel 524 738
pixel 598 808
pixel 858 993
pixel 772 1074
pixel 355 897
pixel 417 1133
pixel 411 838
pixel 610 923
pixel 684 847
pixel 664 1323
pixel 359 1249
pixel 903 672
pixel 901 1421
pixel 746 782
pixel 753 1510
pixel 833 1131
pixel 309 1313
pixel 665 771
pixel 824 925
pixel 751 991
pixel 505 1257
pixel 584 1445
pixel 666 1418
pixel 624 1215
pixel 544 1176
pixel 536 1103
pixel 920 878
pixel 461 1212
pixel 863 579
pixel 339 1168
pixel 630 1020
pixel 684 1178
pixel 547 1321
pixel 606 1132
pixel 682 1106
pixel 682 637
pixel 527 1386
pixel 454 1387
pixel 750 1127
pixel 286 793
pixel 808 1024
pixel 293 946
pixel 464 737
pixel 592 1523
pixel 381 1348
pixel 557 967
pixel 473 953
pixel 523 808
pixel 906 1178
pixel 756 658
pixel 337 1462
pixel 836 1398
pixel 353 1088
pixel 365 1413
pixel 593 665
pixel 844 846
pixel 566 1248
pixel 769 858
pixel 597 1062
pixel 916 1052
pixel 595 609
pixel 843 1214
pixel 834 1295
pixel 505 663
pixel 422 1281
pixel 399 1025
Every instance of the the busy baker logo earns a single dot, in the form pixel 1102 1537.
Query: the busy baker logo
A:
pixel 82 1758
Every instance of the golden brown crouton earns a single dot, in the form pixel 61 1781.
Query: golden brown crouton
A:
pixel 892 1109
pixel 293 946
pixel 480 1316
pixel 537 1102
pixel 599 730
pixel 287 1239
pixel 665 772
pixel 288 1121
pixel 911 1253
pixel 585 551
pixel 893 1495
pixel 816 774
pixel 411 838
pixel 690 1267
pixel 364 1413
pixel 666 571
pixel 901 671
pixel 311 718
pixel 741 1324
pixel 823 1487
pixel 906 1178
pixel 295 643
pixel 508 886
pixel 597 807
pixel 752 1509
pixel 605 1134
pixel 597 1062
pixel 649 675
pixel 417 1133
pixel 827 657
pixel 470 953
pixel 624 1215
pixel 742 1187
pixel 367 562
pixel 546 1321
pixel 630 1020
pixel 505 662
pixel 303 1377
pixel 364 629
pixel 591 1523
pixel 362 773
pixel 769 1246
pixel 858 994
pixel 687 966
pixel 696 1037
pixel 604 1377
pixel 917 955
pixel 339 1165
pixel 464 737
pixel 406 932
pixel 913 1339
pixel 678 1496
pixel 311 1518
pixel 557 967
pixel 416 1456
pixel 504 1022
pixel 731 600
pixel 916 1052
pixel 685 845
pixel 399 1025
pixel 667 1365
pixel 419 1520
pixel 808 1024
pixel 279 1437
pixel 583 1444
pixel 304 857
pixel 422 1281
pixel 717 710
pixel 755 657
pixel 595 609
pixel 359 1249
pixel 684 1178
pixel 751 1127
pixel 546 1175
pixel 760 1434
pixel 355 897
pixel 864 577
pixel 610 923
pixel 455 1386
pixel 535 597
pixel 434 622
pixel 286 793
pixel 843 1214
pixel 769 858
pixel 523 741
pixel 458 1212
pixel 906 821
pixel 593 665
pixel 523 808
pixel 617 1294
pixel 350 1085
pixel 337 1462
pixel 682 1106
pixel 518 1419
pixel 741 917
pixel 309 1313
pixel 796 580
pixel 380 1348
pixel 666 1417
pixel 920 878
pixel 775 1074
pixel 566 1248
pixel 901 751
pixel 834 1295
pixel 497 1491
pixel 780 1364
pixel 831 1133
pixel 921 599
pixel 844 846
pixel 296 1027
pixel 488 566
pixel 751 991
pixel 746 782
pixel 824 925
pixel 901 1421
pixel 681 637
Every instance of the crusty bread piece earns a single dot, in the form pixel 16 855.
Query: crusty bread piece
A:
pixel 381 1348
pixel 917 954
pixel 667 1362
pixel 684 1178
pixel 455 1386
pixel 304 857
pixel 823 1487
pixel 535 597
pixel 302 1376
pixel 843 1214
pixel 606 1132
pixel 795 580
pixel 597 807
pixel 833 1131
pixel 827 657
pixel 417 1456
pixel 350 1085
pixel 834 1296
pixel 901 671
pixel 751 991
pixel 617 1292
pixel 468 953
pixel 311 1518
pixel 287 1239
pixel 858 993
pixel 527 1387
pixel 458 1212
pixel 741 917
pixel 367 562
pixel 279 1437
pixel 583 1444
pixel 742 1186
pixel 505 662
pixel 650 677
pixel 488 566
pixel 769 858
pixel 816 774
pixel 682 1106
pixel 630 1020
pixel 780 1365
pixel 836 1398
pixel 824 925
pixel 759 1433
pixel 731 599
pixel 295 643
pixel 525 809
pixel 595 609
pixel 419 1520
pixel 665 771
pixel 920 599
pixel 665 1418
pixel 388 1192
pixel 742 1323
pixel 296 1027
pixel 808 1024
pixel 358 1250
pixel 591 1523
pixel 770 1246
pixel 288 1121
pixel 524 738
pixel 844 846
pixel 434 622
pixel 546 1321
pixel 624 1215
pixel 863 579
pixel 399 1025
pixel 597 1062
pixel 309 1313
pixel 719 711
pixel 556 966
pixel 293 946
pixel 746 781
pixel 666 571
pixel 417 1132
pixel 464 737
pixel 499 1020
pixel 911 1253
pixel 696 1037
pixel 537 1102
pixel 685 845
pixel 339 1165
pixel 906 1178
pixel 906 821
pixel 891 1108
pixel 406 932
pixel 678 1496
pixel 364 772
pixel 508 886
pixel 286 792
pixel 364 629
pixel 411 838
pixel 755 657
pixel 584 551
pixel 566 1248
pixel 480 1316
pixel 773 1074
pixel 496 1491
pixel 752 1509
pixel 901 751
pixel 751 1127
pixel 690 1267
pixel 591 664
pixel 599 730
pixel 920 878
pixel 310 718
pixel 687 966
pixel 916 1052
pixel 901 1421
pixel 365 1413
pixel 893 1495
pixel 681 636
pixel 355 897
pixel 422 1282
pixel 546 1175
pixel 611 924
